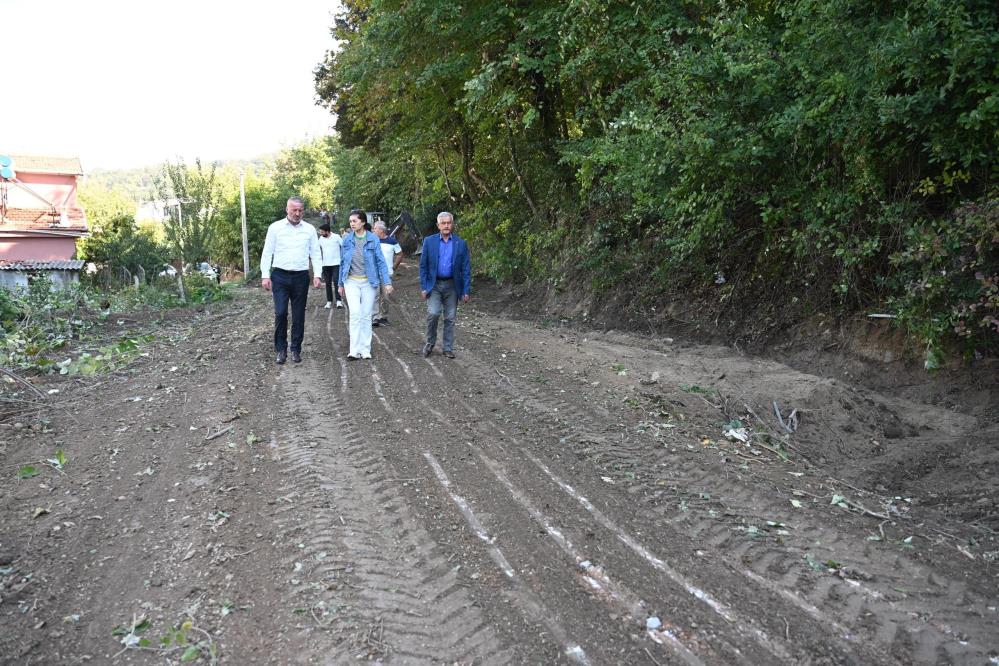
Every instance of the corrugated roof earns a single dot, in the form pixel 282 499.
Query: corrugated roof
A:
pixel 30 265
pixel 47 164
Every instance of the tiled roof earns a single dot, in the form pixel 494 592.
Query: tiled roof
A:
pixel 42 218
pixel 43 164
pixel 31 265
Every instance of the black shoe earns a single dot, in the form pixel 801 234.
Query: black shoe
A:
pixel 375 323
pixel 351 357
pixel 449 354
pixel 384 321
pixel 296 357
pixel 427 349
pixel 282 356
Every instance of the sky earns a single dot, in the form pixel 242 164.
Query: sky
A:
pixel 124 84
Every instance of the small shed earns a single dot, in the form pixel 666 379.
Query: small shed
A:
pixel 16 273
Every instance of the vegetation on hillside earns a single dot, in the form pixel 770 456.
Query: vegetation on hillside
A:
pixel 797 156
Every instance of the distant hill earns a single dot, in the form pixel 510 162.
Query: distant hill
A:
pixel 138 183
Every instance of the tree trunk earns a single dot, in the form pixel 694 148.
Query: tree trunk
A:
pixel 515 164
pixel 442 165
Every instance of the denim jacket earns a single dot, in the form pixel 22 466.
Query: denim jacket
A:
pixel 374 261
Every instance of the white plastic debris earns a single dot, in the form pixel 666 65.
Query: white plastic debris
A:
pixel 737 434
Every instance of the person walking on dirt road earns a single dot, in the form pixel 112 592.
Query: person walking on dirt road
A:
pixel 445 277
pixel 284 270
pixel 330 244
pixel 392 252
pixel 362 270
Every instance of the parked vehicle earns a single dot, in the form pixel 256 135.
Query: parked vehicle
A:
pixel 206 269
pixel 209 271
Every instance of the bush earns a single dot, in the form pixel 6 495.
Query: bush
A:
pixel 119 243
pixel 200 289
pixel 948 281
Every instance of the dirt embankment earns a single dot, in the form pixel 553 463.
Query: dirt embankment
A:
pixel 553 494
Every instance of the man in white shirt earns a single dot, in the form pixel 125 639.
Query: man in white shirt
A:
pixel 284 271
pixel 392 252
pixel 330 244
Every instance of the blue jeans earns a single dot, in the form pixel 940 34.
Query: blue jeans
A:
pixel 289 287
pixel 442 296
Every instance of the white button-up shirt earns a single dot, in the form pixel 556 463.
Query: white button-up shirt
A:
pixel 290 246
pixel 331 249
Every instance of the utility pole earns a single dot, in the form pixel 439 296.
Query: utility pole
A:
pixel 246 242
pixel 180 273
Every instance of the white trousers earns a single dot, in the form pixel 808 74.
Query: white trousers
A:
pixel 360 306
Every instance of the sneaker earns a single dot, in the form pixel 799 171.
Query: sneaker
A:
pixel 384 321
pixel 366 356
pixel 375 323
pixel 427 349
pixel 329 305
pixel 339 304
pixel 282 356
pixel 448 353
pixel 351 357
pixel 296 357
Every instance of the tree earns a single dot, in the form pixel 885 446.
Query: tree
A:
pixel 306 170
pixel 118 243
pixel 192 196
pixel 265 202
pixel 797 143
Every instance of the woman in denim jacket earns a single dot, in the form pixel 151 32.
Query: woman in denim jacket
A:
pixel 362 269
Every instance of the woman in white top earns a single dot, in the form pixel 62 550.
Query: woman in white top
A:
pixel 362 270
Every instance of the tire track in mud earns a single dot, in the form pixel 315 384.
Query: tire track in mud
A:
pixel 365 572
pixel 711 646
pixel 857 612
pixel 684 644
pixel 867 622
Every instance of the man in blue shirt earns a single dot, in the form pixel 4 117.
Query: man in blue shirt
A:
pixel 445 277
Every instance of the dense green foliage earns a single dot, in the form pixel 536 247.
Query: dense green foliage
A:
pixel 265 202
pixel 115 241
pixel 119 243
pixel 806 152
pixel 193 195
pixel 306 171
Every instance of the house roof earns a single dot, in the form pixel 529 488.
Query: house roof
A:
pixel 47 164
pixel 33 265
pixel 42 219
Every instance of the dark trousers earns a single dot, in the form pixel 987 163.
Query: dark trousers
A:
pixel 331 276
pixel 289 287
pixel 443 297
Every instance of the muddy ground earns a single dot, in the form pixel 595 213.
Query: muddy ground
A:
pixel 552 495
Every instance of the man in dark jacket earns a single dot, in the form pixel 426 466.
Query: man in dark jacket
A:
pixel 445 277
